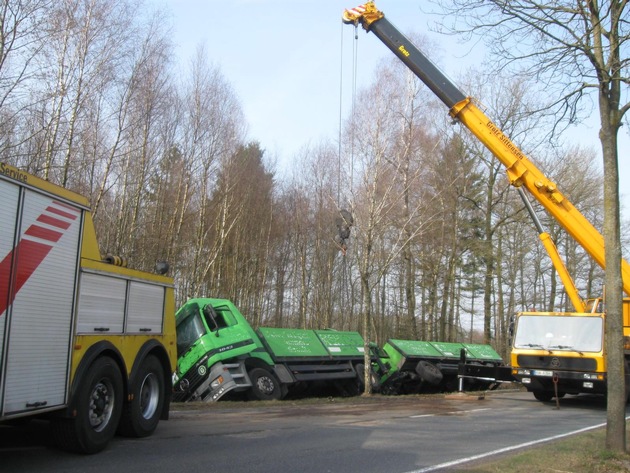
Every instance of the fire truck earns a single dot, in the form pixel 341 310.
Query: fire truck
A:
pixel 85 342
pixel 553 353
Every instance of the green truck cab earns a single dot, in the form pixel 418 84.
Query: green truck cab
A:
pixel 219 352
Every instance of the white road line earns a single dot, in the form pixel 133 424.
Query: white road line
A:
pixel 449 413
pixel 504 450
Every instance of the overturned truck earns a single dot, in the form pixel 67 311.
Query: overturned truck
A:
pixel 220 353
pixel 414 366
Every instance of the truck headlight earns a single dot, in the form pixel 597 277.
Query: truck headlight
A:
pixel 217 382
pixel 588 384
pixel 594 376
pixel 526 380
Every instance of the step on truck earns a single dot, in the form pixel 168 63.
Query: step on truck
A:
pixel 85 342
pixel 219 353
pixel 553 353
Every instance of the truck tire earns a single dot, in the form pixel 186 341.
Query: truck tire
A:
pixel 265 386
pixel 141 415
pixel 429 372
pixel 98 406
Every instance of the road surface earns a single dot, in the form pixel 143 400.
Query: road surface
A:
pixel 407 434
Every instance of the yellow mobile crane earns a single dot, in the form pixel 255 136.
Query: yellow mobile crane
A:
pixel 553 353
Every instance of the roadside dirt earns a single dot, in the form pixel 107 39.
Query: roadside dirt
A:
pixel 436 404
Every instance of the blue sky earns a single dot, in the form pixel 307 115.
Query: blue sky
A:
pixel 290 63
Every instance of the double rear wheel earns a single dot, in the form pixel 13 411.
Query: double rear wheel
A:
pixel 99 404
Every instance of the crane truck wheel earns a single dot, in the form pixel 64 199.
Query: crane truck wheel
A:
pixel 265 386
pixel 429 372
pixel 141 415
pixel 98 408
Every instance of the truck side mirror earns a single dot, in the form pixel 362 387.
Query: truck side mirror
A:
pixel 208 312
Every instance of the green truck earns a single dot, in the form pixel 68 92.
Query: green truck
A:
pixel 219 353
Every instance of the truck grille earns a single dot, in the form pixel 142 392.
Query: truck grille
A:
pixel 556 363
pixel 187 385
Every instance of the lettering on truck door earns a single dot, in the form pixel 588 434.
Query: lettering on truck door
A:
pixel 38 299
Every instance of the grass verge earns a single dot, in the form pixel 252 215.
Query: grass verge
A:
pixel 583 453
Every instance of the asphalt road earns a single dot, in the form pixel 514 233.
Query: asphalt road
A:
pixel 383 434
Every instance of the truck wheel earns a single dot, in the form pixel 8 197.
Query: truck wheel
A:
pixel 141 415
pixel 543 396
pixel 265 386
pixel 98 407
pixel 429 372
pixel 374 381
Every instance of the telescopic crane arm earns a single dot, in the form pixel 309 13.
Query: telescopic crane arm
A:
pixel 520 170
pixel 552 251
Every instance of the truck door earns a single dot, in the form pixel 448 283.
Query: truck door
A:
pixel 228 333
pixel 40 239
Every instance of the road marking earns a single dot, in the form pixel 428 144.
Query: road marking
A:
pixel 449 413
pixel 506 449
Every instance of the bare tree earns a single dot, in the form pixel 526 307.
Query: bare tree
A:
pixel 579 50
pixel 21 40
pixel 212 131
pixel 386 216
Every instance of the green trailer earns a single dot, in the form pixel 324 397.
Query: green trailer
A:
pixel 413 366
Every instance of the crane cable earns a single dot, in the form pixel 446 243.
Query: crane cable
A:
pixel 355 55
pixel 344 287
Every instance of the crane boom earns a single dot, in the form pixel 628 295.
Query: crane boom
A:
pixel 520 170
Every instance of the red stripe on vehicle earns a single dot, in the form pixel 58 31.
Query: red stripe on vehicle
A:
pixel 5 270
pixel 29 255
pixel 55 222
pixel 57 211
pixel 43 233
pixel 66 206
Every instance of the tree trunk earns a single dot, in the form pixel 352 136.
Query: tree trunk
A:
pixel 616 405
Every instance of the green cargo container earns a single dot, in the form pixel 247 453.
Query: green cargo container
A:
pixel 286 343
pixel 476 352
pixel 411 366
pixel 342 344
pixel 415 348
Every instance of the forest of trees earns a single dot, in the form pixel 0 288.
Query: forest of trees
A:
pixel 440 247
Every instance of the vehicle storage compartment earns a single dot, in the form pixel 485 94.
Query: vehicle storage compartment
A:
pixel 40 240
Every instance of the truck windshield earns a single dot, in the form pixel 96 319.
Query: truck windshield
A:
pixel 190 328
pixel 569 333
